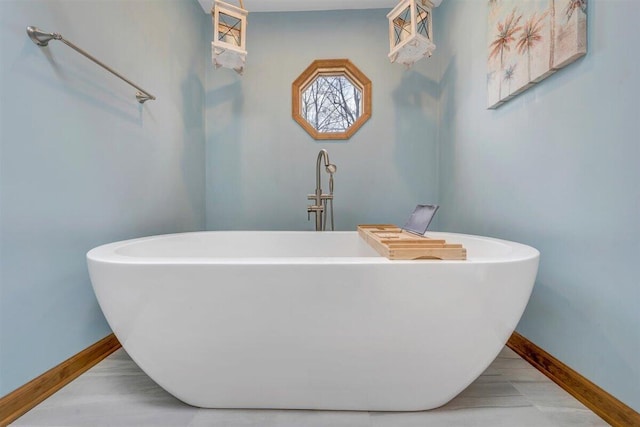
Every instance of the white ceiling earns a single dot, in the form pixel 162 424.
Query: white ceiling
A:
pixel 307 5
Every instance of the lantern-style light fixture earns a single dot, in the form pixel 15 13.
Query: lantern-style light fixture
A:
pixel 411 31
pixel 228 48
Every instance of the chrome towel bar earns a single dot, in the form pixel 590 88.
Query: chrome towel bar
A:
pixel 41 38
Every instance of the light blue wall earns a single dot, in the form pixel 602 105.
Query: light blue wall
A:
pixel 557 168
pixel 261 163
pixel 82 163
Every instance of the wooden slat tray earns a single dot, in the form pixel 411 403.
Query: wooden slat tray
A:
pixel 394 243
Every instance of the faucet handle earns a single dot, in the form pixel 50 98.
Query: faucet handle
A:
pixel 313 208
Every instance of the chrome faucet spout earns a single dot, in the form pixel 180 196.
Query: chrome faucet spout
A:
pixel 322 154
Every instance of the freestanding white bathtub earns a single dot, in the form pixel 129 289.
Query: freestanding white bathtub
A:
pixel 308 320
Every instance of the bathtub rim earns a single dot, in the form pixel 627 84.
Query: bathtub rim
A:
pixel 106 253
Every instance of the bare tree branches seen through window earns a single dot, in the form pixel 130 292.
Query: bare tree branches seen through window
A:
pixel 331 99
pixel 331 103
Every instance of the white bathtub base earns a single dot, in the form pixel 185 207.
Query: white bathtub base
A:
pixel 364 334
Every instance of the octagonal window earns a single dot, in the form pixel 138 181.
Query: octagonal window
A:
pixel 331 99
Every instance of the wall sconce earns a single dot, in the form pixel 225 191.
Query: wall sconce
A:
pixel 411 31
pixel 229 35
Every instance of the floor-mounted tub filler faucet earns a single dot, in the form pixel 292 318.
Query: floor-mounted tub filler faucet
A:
pixel 322 201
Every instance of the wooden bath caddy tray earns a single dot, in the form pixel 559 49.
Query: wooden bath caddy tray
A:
pixel 395 243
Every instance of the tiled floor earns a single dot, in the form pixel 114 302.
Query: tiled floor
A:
pixel 117 393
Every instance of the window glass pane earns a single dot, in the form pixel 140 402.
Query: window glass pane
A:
pixel 423 22
pixel 229 29
pixel 402 26
pixel 331 103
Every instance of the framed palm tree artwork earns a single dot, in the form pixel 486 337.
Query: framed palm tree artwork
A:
pixel 528 40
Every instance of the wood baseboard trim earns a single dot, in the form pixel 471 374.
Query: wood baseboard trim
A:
pixel 593 397
pixel 21 400
pixel 610 409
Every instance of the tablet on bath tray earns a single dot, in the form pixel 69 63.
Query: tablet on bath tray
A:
pixel 420 219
